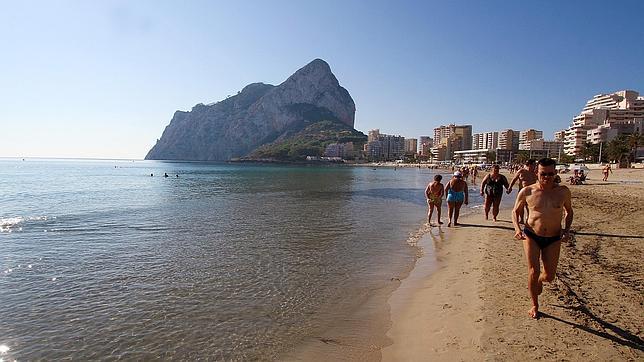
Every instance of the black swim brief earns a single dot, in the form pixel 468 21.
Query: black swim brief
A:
pixel 542 241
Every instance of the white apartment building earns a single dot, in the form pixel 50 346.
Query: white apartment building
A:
pixel 560 135
pixel 602 133
pixel 486 140
pixel 477 141
pixel 623 111
pixel 606 132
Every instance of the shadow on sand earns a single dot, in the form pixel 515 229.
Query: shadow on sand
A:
pixel 608 235
pixel 498 225
pixel 628 339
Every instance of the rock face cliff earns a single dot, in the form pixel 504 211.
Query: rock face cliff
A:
pixel 259 114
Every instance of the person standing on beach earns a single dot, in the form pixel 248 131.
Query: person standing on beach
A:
pixel 526 177
pixel 492 187
pixel 465 171
pixel 474 173
pixel 457 194
pixel 605 171
pixel 542 234
pixel 434 194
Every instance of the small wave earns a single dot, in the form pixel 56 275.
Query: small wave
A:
pixel 8 224
pixel 415 236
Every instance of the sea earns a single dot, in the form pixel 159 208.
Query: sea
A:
pixel 110 259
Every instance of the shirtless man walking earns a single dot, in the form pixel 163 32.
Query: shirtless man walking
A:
pixel 542 234
pixel 434 194
pixel 526 177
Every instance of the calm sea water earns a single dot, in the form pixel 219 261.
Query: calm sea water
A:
pixel 98 259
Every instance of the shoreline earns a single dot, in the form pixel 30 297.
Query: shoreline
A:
pixel 474 306
pixel 363 333
pixel 436 312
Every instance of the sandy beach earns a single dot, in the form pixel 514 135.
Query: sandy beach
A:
pixel 475 305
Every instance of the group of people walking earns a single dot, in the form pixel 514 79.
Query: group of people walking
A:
pixel 540 206
pixel 458 194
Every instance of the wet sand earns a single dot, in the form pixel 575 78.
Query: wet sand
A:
pixel 474 306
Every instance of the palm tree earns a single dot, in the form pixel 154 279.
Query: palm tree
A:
pixel 633 142
pixel 617 148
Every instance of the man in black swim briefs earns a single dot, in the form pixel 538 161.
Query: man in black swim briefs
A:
pixel 542 236
pixel 542 241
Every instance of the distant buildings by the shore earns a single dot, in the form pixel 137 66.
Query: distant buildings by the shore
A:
pixel 604 117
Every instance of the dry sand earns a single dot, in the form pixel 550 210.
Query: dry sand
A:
pixel 474 307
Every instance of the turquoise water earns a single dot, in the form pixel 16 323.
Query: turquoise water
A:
pixel 101 260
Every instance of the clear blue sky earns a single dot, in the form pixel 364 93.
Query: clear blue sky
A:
pixel 103 78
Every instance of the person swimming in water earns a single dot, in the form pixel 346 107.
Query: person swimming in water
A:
pixel 457 195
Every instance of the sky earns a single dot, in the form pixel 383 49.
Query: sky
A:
pixel 102 79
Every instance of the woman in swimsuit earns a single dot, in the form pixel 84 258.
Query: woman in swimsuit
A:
pixel 457 195
pixel 605 171
pixel 434 194
pixel 492 187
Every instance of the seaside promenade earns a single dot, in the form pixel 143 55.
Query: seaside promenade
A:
pixel 475 306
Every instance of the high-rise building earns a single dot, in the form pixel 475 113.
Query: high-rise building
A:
pixel 490 140
pixel 411 146
pixel 385 147
pixel 528 135
pixel 426 140
pixel 454 138
pixel 607 132
pixel 477 141
pixel 560 135
pixel 343 150
pixel 373 150
pixel 509 140
pixel 485 141
pixel 426 143
pixel 622 111
pixel 393 147
pixel 373 135
pixel 441 133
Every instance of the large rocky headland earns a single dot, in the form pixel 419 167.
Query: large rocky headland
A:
pixel 296 118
